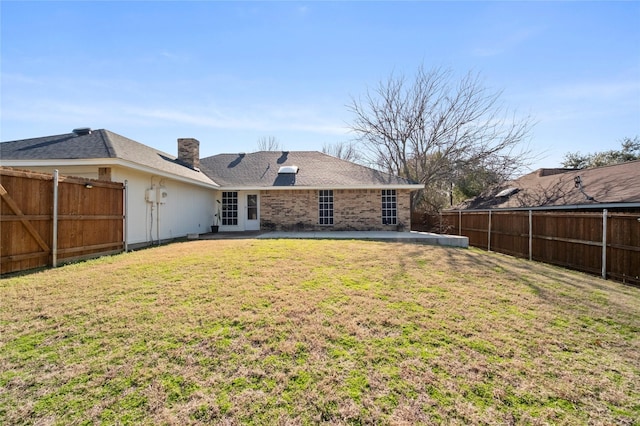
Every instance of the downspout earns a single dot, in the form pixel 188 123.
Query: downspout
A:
pixel 54 237
pixel 157 219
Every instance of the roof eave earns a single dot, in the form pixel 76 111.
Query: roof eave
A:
pixel 223 187
pixel 107 161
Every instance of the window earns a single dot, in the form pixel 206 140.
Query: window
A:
pixel 252 207
pixel 230 208
pixel 325 207
pixel 389 207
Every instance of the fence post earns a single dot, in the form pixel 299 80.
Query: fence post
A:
pixel 604 243
pixel 530 234
pixel 126 215
pixel 54 236
pixel 459 222
pixel 489 235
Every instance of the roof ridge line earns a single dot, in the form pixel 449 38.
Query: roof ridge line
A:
pixel 108 144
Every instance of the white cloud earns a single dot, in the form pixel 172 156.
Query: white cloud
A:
pixel 11 79
pixel 302 10
pixel 595 90
pixel 102 103
pixel 260 118
pixel 505 43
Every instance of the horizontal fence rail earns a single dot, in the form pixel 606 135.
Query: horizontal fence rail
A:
pixel 605 243
pixel 46 219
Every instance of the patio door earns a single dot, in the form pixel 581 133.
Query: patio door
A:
pixel 252 216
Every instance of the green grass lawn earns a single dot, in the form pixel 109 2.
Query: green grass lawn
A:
pixel 309 331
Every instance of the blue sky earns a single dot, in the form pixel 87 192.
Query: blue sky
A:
pixel 230 73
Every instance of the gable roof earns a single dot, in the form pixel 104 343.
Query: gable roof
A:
pixel 260 170
pixel 618 183
pixel 99 146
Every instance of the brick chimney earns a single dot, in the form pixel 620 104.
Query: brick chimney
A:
pixel 189 152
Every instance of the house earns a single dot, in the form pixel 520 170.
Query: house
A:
pixel 310 191
pixel 615 186
pixel 170 197
pixel 583 219
pixel 159 185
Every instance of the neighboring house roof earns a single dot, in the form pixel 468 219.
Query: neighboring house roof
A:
pixel 97 147
pixel 619 183
pixel 260 170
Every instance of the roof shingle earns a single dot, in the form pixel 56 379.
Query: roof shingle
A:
pixel 260 170
pixel 98 144
pixel 618 183
pixel 254 170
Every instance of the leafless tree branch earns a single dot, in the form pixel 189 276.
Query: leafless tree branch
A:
pixel 344 150
pixel 432 130
pixel 269 143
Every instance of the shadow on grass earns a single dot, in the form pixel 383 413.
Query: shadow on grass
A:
pixel 553 284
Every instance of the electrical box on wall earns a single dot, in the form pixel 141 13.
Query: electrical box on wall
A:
pixel 162 195
pixel 150 195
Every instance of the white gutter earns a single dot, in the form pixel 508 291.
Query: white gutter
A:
pixel 109 162
pixel 318 187
pixel 139 167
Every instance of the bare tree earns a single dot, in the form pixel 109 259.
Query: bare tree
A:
pixel 269 143
pixel 344 150
pixel 432 130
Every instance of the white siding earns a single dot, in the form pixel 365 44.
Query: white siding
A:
pixel 188 208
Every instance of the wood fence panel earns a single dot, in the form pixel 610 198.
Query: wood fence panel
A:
pixel 448 223
pixel 510 233
pixel 623 247
pixel 476 226
pixel 26 218
pixel 572 240
pixel 90 220
pixel 569 239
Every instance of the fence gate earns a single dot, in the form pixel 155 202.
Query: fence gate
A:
pixel 89 219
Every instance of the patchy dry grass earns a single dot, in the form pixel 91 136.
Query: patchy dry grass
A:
pixel 304 332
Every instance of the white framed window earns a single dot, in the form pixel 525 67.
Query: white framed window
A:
pixel 325 207
pixel 229 208
pixel 389 207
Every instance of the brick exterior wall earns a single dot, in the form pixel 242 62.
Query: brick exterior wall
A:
pixel 354 209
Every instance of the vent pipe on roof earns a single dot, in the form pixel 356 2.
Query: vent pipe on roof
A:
pixel 82 131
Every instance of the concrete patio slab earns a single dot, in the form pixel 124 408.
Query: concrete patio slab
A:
pixel 405 237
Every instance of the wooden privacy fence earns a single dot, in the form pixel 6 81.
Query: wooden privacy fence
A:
pixel 87 222
pixel 604 243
